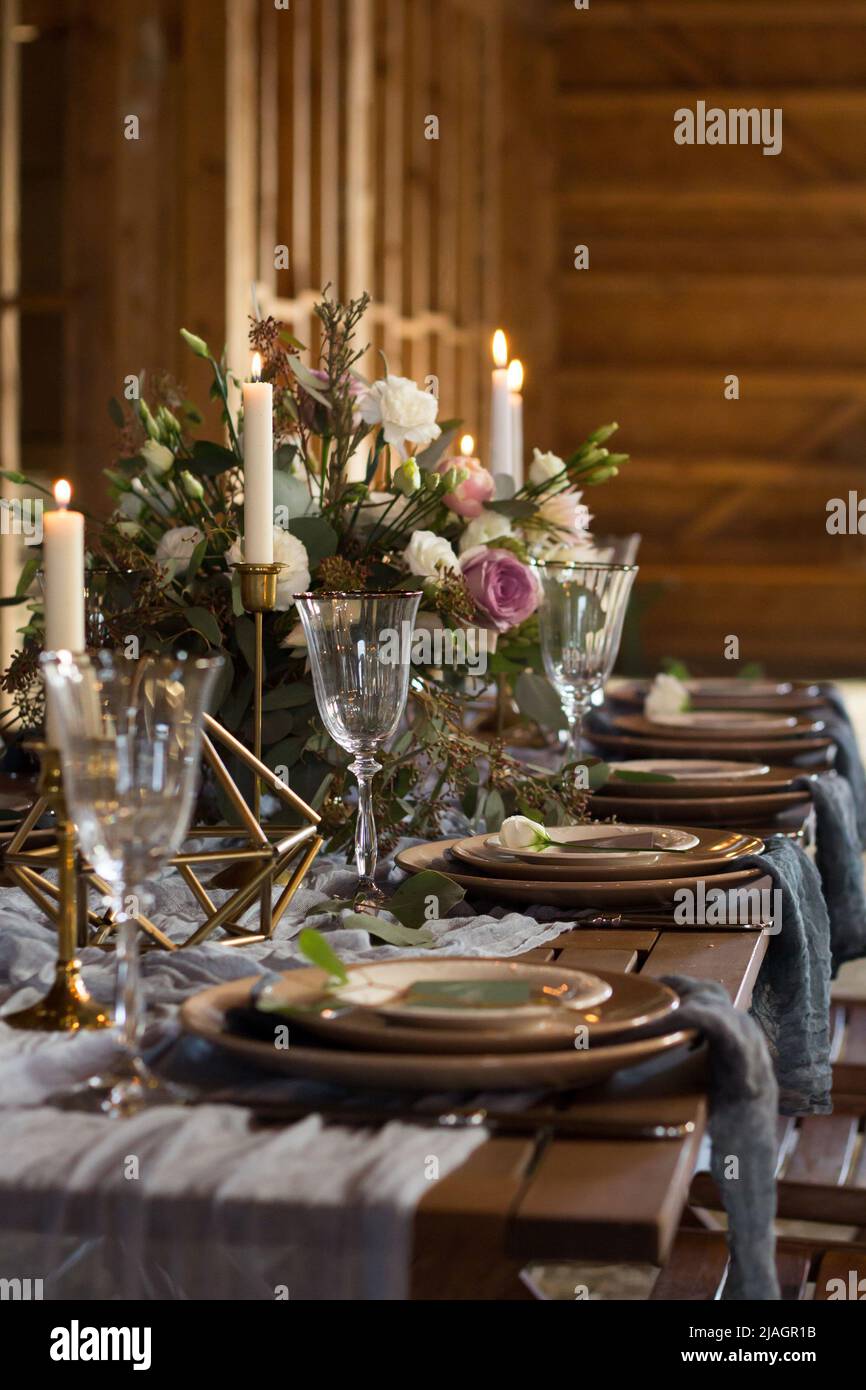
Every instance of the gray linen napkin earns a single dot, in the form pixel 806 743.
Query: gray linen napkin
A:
pixel 791 999
pixel 840 864
pixel 848 760
pixel 743 1097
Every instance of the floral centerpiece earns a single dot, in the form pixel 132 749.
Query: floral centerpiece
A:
pixel 368 493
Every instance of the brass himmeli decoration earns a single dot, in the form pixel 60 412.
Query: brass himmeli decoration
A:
pixel 252 868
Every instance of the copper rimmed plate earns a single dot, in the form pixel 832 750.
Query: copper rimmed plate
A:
pixel 600 893
pixel 632 1003
pixel 720 725
pixel 728 693
pixel 806 752
pixel 712 851
pixel 205 1015
pixel 699 778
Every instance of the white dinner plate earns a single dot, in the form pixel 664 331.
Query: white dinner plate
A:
pixel 645 843
pixel 382 987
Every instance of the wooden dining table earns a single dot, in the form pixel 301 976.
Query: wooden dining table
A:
pixel 547 1197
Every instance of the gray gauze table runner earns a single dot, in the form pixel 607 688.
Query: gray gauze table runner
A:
pixel 220 1211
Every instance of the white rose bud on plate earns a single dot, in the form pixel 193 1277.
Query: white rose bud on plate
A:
pixel 519 832
pixel 667 695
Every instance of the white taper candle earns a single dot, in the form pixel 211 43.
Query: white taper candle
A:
pixel 258 398
pixel 500 414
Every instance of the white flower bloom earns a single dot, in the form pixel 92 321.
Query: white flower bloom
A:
pixel 566 515
pixel 406 413
pixel 519 832
pixel 667 696
pixel 427 554
pixel 158 458
pixel 294 577
pixel 487 526
pixel 407 479
pixel 191 485
pixel 544 467
pixel 128 528
pixel 564 554
pixel 178 544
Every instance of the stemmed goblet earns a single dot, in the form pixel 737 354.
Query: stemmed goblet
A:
pixel 360 647
pixel 130 740
pixel 580 620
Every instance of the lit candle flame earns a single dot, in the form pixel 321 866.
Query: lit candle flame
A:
pixel 515 375
pixel 62 493
pixel 256 369
pixel 500 348
pixel 467 446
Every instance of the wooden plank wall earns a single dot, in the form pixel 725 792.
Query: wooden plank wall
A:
pixel 363 200
pixel 706 261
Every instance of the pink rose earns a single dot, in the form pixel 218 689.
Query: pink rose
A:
pixel 504 590
pixel 477 487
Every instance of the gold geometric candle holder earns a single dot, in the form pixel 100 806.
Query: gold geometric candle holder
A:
pixel 251 868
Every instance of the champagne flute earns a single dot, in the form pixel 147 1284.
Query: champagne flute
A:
pixel 130 740
pixel 360 646
pixel 580 620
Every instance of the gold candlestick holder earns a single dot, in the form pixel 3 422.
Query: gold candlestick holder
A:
pixel 67 1006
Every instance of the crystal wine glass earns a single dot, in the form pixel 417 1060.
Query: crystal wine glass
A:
pixel 580 622
pixel 130 739
pixel 360 647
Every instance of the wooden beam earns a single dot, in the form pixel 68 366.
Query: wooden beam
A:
pixel 241 176
pixel 758 14
pixel 9 314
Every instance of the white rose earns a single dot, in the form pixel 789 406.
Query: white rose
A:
pixel 294 577
pixel 487 526
pixel 178 544
pixel 406 413
pixel 427 554
pixel 564 554
pixel 667 696
pixel 519 832
pixel 544 467
pixel 158 458
pixel 565 514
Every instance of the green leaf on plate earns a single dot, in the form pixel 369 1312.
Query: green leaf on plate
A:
pixel 315 948
pixel 392 932
pixel 622 776
pixel 427 890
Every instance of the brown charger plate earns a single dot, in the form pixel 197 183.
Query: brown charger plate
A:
pixel 650 728
pixel 792 696
pixel 774 782
pixel 634 1003
pixel 588 893
pixel 715 849
pixel 712 809
pixel 807 752
pixel 204 1015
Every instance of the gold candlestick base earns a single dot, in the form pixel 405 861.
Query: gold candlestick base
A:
pixel 67 1006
